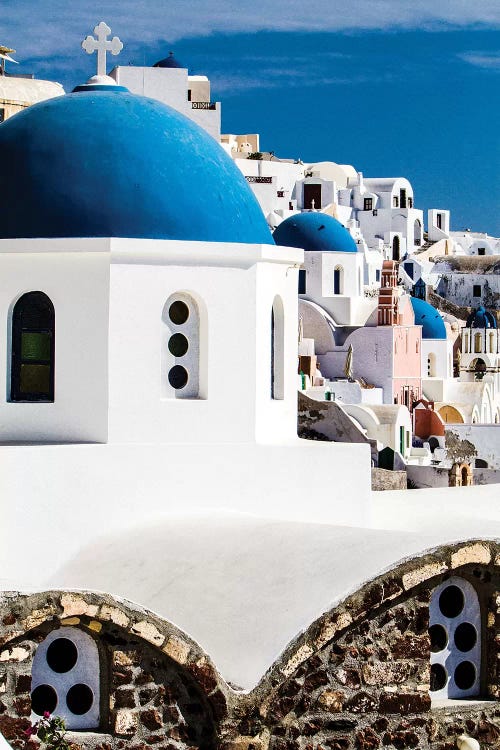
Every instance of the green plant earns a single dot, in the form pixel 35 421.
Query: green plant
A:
pixel 51 731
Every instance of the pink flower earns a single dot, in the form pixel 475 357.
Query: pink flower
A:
pixel 30 731
pixel 46 714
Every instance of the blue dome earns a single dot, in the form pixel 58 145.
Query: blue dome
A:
pixel 168 62
pixel 107 163
pixel 481 318
pixel 428 317
pixel 314 231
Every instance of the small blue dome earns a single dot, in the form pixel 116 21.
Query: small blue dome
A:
pixel 314 231
pixel 481 318
pixel 168 62
pixel 107 163
pixel 428 317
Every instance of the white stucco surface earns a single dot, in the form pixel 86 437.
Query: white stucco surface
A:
pixel 243 587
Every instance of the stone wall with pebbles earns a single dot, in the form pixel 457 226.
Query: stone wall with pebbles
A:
pixel 157 687
pixel 360 677
pixel 357 679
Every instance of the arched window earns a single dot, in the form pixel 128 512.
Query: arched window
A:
pixel 33 342
pixel 492 342
pixel 182 348
pixel 65 678
pixel 466 342
pixel 338 280
pixel 477 343
pixel 396 254
pixel 277 350
pixel 455 635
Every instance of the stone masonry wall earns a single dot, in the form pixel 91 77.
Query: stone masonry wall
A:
pixel 149 699
pixel 357 679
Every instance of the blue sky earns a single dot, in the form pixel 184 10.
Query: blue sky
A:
pixel 391 86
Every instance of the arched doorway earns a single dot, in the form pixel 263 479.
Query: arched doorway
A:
pixel 465 476
pixel 396 250
pixel 312 196
pixel 433 443
pixel 478 367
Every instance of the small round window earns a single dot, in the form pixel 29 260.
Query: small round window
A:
pixel 43 698
pixel 178 377
pixel 178 345
pixel 178 312
pixel 62 655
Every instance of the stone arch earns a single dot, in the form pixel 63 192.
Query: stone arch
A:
pixel 157 681
pixel 333 677
pixel 460 475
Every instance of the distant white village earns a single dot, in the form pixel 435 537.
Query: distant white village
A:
pixel 249 436
pixel 397 322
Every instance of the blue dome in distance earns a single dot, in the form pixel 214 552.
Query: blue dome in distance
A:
pixel 314 231
pixel 103 162
pixel 428 317
pixel 168 62
pixel 481 318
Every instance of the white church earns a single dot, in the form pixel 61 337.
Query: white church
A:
pixel 162 521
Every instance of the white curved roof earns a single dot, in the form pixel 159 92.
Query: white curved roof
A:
pixel 339 173
pixel 384 184
pixel 28 90
pixel 244 587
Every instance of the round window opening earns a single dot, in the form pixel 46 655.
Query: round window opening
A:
pixel 465 636
pixel 79 699
pixel 439 677
pixel 451 602
pixel 439 638
pixel 178 345
pixel 62 655
pixel 178 312
pixel 465 675
pixel 178 377
pixel 43 698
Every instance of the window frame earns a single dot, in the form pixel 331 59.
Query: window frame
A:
pixel 26 306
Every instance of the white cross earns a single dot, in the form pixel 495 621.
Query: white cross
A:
pixel 101 45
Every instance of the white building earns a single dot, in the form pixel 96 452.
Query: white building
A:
pixel 334 266
pixel 149 447
pixel 169 82
pixel 384 209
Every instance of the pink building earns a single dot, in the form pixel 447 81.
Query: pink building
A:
pixel 395 311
